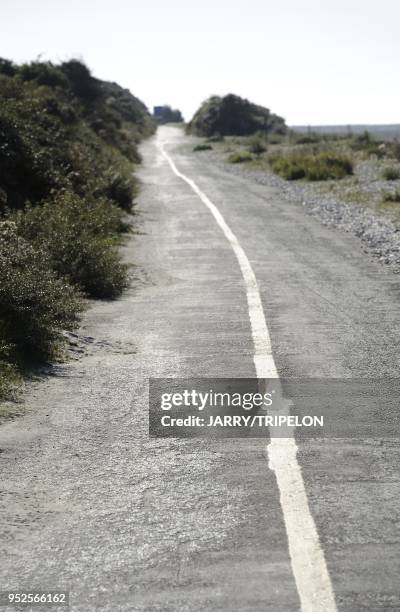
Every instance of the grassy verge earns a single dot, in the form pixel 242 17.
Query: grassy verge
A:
pixel 391 173
pixel 393 196
pixel 240 157
pixel 312 167
pixel 359 170
pixel 67 155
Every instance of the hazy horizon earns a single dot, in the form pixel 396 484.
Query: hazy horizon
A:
pixel 313 65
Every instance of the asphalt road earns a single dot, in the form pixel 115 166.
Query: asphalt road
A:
pixel 90 504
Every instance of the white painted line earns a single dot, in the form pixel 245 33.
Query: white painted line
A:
pixel 307 557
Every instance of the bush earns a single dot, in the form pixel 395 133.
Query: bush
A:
pixel 393 196
pixel 202 147
pixel 53 139
pixel 8 371
pixel 83 85
pixel 32 141
pixel 7 67
pixel 78 236
pixel 240 157
pixel 290 168
pixel 311 138
pixel 313 167
pixel 8 379
pixel 35 304
pixel 232 115
pixel 119 188
pixel 367 144
pixel 44 73
pixel 395 150
pixel 391 174
pixel 257 146
pixel 68 142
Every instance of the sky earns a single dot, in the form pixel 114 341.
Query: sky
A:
pixel 314 62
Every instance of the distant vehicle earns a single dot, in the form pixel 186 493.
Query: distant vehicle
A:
pixel 165 114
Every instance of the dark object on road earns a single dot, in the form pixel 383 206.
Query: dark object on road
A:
pixel 165 114
pixel 234 116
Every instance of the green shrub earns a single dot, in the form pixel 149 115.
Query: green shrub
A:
pixel 232 115
pixel 257 145
pixel 32 140
pixel 62 129
pixel 8 371
pixel 367 144
pixel 35 304
pixel 83 85
pixel 44 73
pixel 363 140
pixel 202 147
pixel 68 142
pixel 311 138
pixel 393 196
pixel 290 168
pixel 240 157
pixel 313 167
pixel 9 378
pixel 391 174
pixel 395 150
pixel 118 188
pixel 7 67
pixel 79 237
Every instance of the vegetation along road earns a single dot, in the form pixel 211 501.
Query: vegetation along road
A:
pixel 230 280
